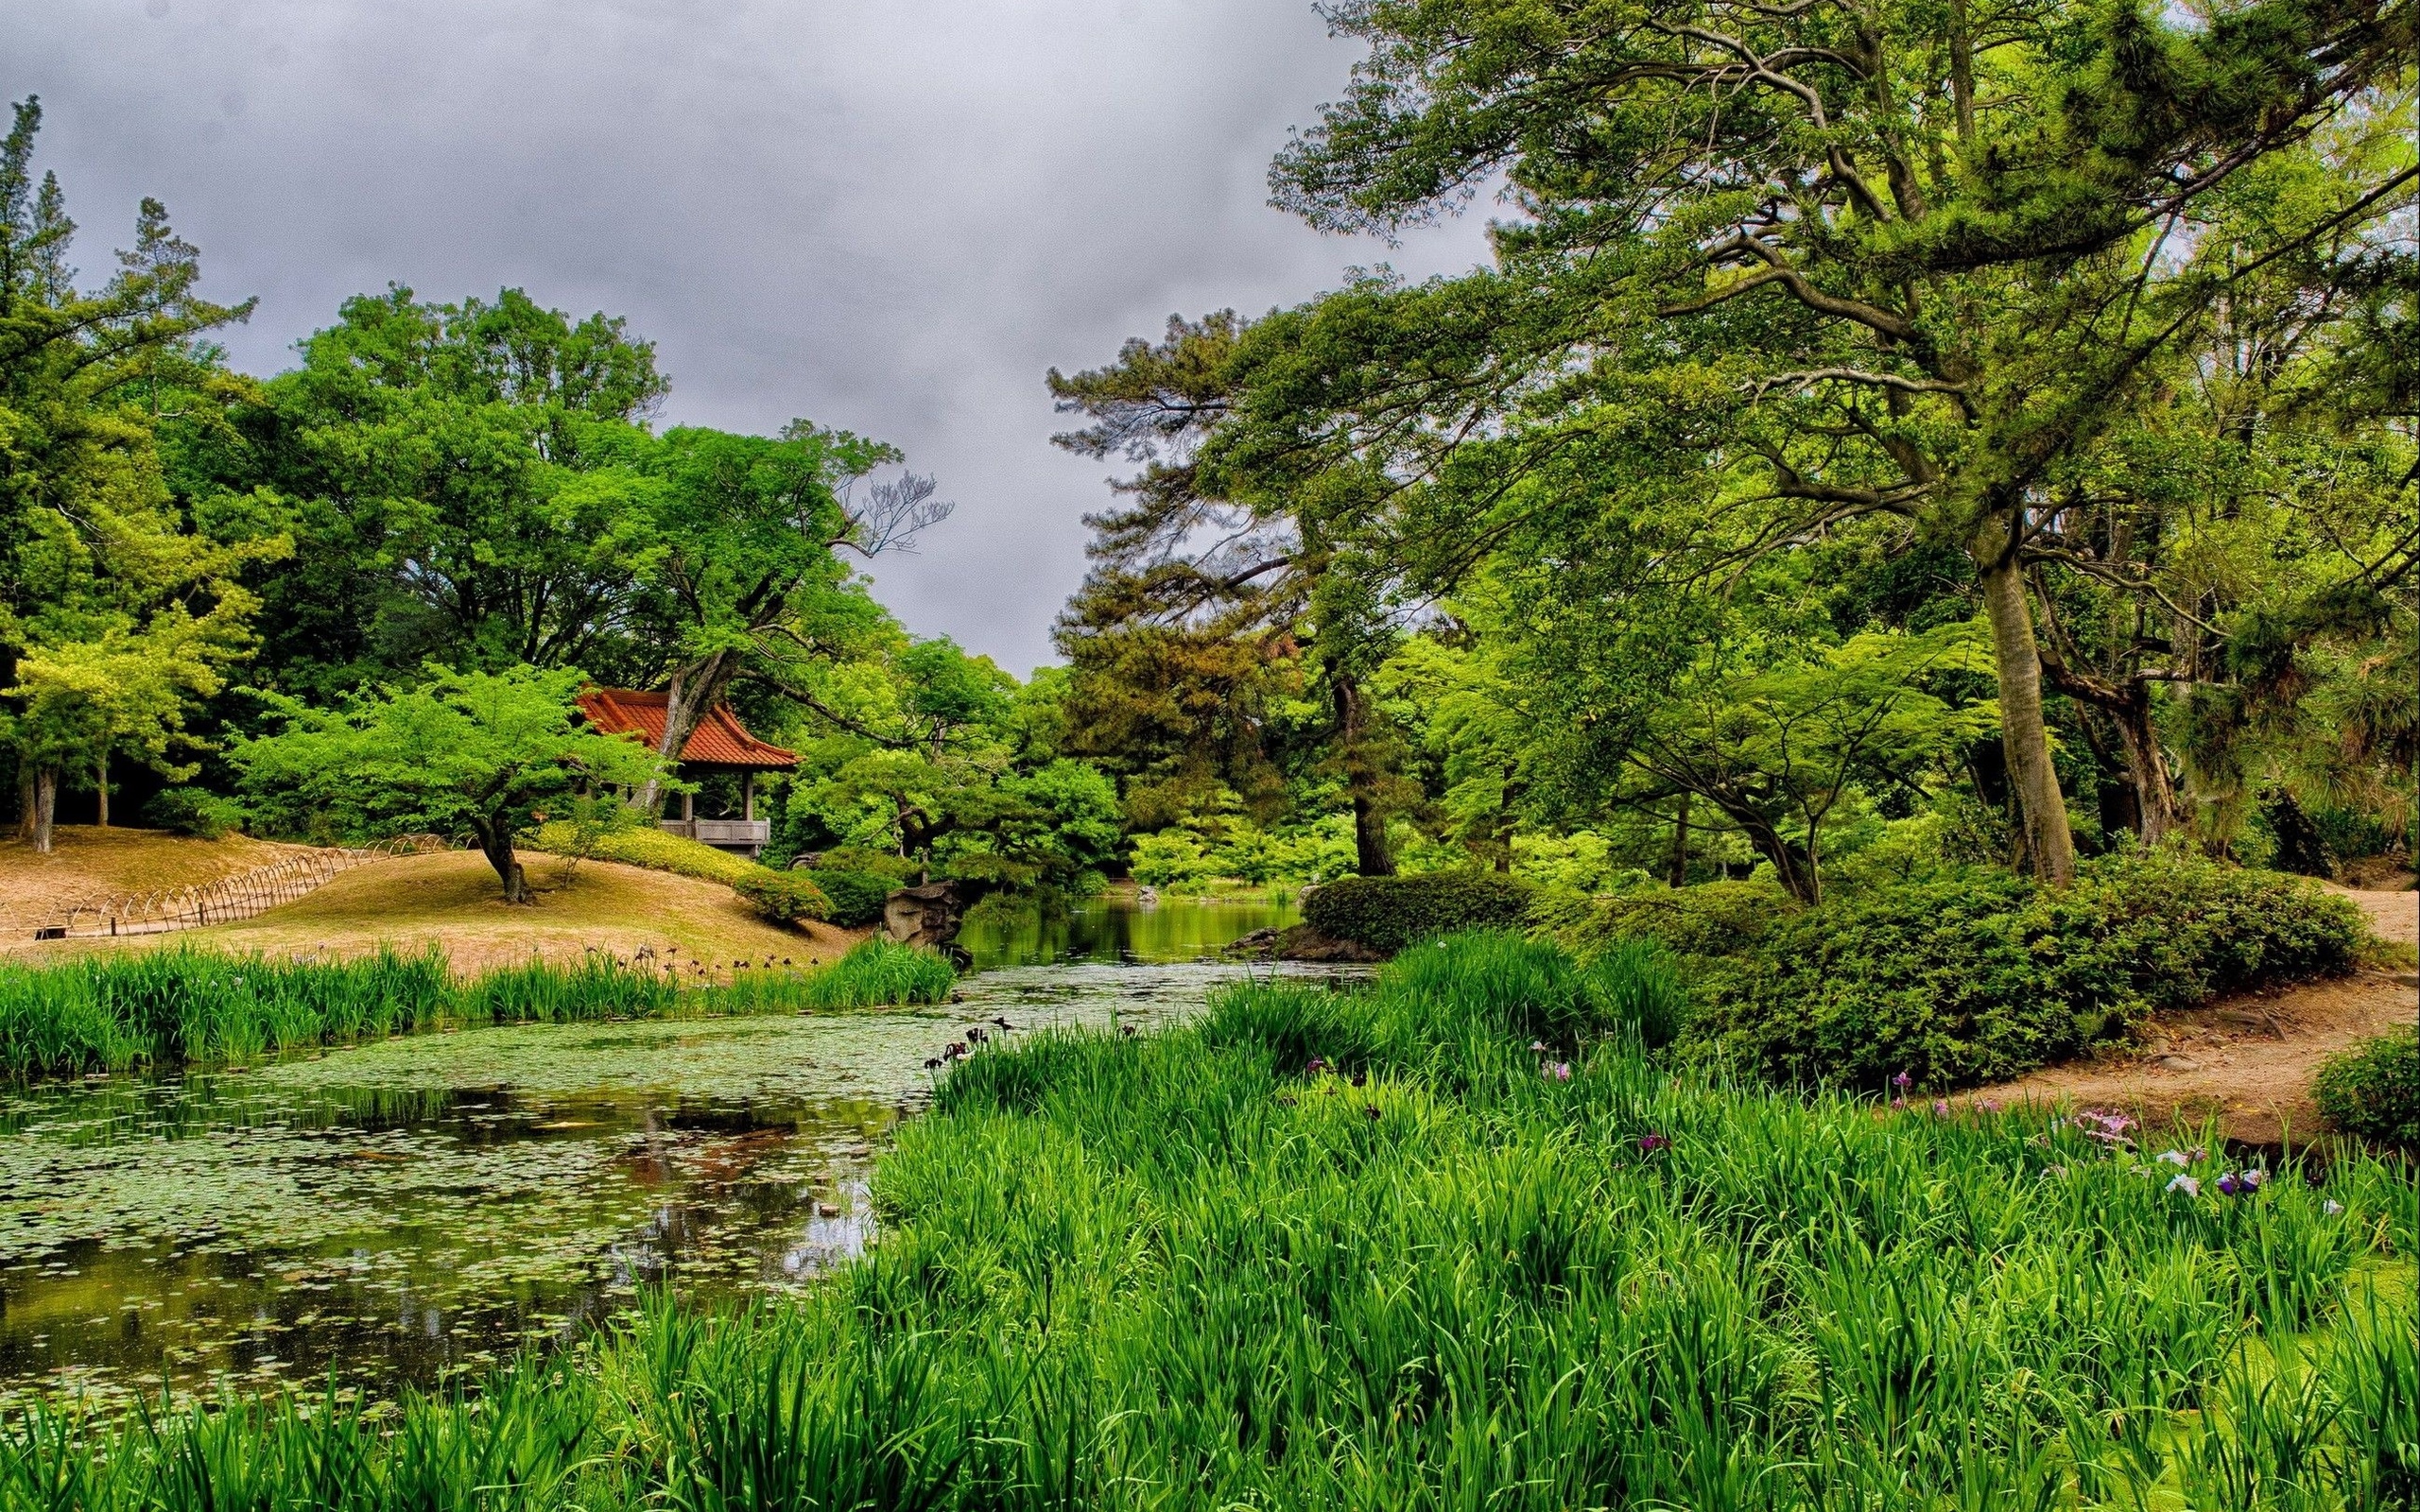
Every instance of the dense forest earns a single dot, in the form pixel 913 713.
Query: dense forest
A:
pixel 1883 454
pixel 1862 446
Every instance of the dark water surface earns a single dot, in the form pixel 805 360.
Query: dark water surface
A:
pixel 403 1210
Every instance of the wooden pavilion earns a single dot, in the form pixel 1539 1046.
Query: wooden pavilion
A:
pixel 720 744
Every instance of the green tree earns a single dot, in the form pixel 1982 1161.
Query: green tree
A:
pixel 463 482
pixel 1860 262
pixel 466 752
pixel 1204 617
pixel 115 612
pixel 747 578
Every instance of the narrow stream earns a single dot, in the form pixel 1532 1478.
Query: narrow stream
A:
pixel 406 1210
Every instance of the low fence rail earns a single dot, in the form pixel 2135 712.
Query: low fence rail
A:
pixel 243 895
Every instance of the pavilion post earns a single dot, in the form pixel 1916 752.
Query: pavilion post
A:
pixel 748 795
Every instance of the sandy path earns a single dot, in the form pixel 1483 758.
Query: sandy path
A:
pixel 2247 1062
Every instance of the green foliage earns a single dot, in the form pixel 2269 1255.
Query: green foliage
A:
pixel 880 973
pixel 784 896
pixel 856 898
pixel 1176 1270
pixel 650 848
pixel 1235 848
pixel 1981 975
pixel 2373 1090
pixel 466 751
pixel 1389 913
pixel 1636 986
pixel 120 607
pixel 1704 922
pixel 179 1007
pixel 196 812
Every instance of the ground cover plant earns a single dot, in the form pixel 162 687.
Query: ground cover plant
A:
pixel 2373 1090
pixel 1450 1242
pixel 1973 975
pixel 186 1006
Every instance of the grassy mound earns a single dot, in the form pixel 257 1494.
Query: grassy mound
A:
pixel 1372 1250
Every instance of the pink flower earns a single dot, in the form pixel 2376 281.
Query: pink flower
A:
pixel 1650 1143
pixel 1559 1071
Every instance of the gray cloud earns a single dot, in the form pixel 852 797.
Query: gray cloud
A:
pixel 888 216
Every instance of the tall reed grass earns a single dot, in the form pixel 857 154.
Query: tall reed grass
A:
pixel 187 1006
pixel 1374 1250
pixel 878 972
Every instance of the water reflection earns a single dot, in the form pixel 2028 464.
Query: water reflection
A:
pixel 1114 927
pixel 407 1210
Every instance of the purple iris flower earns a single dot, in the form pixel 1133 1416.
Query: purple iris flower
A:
pixel 1650 1143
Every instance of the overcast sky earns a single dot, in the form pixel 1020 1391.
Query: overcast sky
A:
pixel 889 215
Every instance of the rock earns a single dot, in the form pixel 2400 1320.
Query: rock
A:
pixel 929 914
pixel 2179 1063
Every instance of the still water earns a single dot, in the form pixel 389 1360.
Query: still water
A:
pixel 422 1207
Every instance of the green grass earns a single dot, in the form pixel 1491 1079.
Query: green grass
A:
pixel 188 1007
pixel 879 973
pixel 1371 1251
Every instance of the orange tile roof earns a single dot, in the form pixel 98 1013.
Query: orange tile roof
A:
pixel 719 739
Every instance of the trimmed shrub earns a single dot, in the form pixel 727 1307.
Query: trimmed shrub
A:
pixel 654 850
pixel 1389 913
pixel 2373 1090
pixel 1705 922
pixel 857 896
pixel 196 812
pixel 1976 976
pixel 784 896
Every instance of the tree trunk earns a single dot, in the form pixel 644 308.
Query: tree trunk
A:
pixel 495 843
pixel 46 807
pixel 2157 812
pixel 1679 875
pixel 2026 739
pixel 695 688
pixel 1371 856
pixel 1792 866
pixel 101 787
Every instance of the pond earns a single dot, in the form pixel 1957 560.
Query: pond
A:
pixel 411 1210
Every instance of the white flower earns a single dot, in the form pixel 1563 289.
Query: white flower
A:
pixel 2176 1157
pixel 2332 1207
pixel 2186 1185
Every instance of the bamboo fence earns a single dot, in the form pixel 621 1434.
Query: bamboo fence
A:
pixel 244 895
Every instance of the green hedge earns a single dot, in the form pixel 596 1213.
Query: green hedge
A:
pixel 784 896
pixel 1981 975
pixel 656 850
pixel 2373 1090
pixel 1389 913
pixel 857 896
